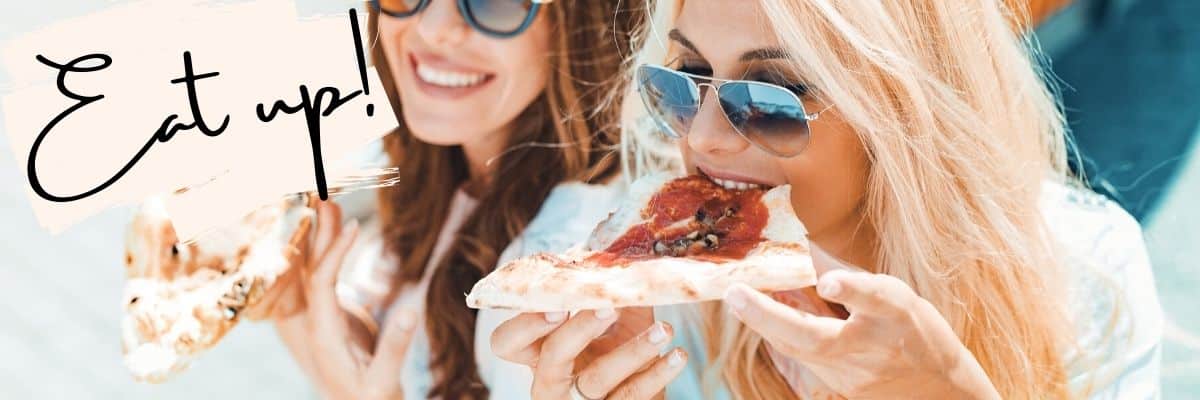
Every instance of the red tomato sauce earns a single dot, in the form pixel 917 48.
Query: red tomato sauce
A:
pixel 695 218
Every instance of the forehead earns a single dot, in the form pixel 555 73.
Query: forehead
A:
pixel 723 29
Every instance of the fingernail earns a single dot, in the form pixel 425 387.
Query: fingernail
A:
pixel 555 317
pixel 658 334
pixel 352 225
pixel 735 299
pixel 604 313
pixel 675 359
pixel 829 287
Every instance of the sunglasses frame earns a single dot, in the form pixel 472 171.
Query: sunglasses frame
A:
pixel 696 82
pixel 465 11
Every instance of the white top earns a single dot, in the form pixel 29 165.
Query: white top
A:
pixel 1111 270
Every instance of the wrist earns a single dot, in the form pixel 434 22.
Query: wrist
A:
pixel 968 380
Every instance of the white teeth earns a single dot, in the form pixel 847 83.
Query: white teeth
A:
pixel 447 78
pixel 735 185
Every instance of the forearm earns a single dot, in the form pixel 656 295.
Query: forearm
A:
pixel 969 381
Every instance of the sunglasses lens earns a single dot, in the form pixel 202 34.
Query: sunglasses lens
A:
pixel 500 16
pixel 671 98
pixel 398 7
pixel 768 115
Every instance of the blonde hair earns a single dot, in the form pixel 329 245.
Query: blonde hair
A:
pixel 961 131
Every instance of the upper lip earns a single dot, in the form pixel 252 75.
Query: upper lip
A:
pixel 729 176
pixel 442 63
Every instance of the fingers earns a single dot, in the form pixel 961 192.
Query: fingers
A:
pixel 807 300
pixel 866 293
pixel 299 245
pixel 329 228
pixel 556 362
pixel 795 332
pixel 605 373
pixel 282 296
pixel 291 298
pixel 273 299
pixel 803 299
pixel 653 380
pixel 519 339
pixel 381 378
pixel 333 338
pixel 325 275
pixel 300 238
pixel 322 296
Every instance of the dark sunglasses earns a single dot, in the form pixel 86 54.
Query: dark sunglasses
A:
pixel 768 116
pixel 497 18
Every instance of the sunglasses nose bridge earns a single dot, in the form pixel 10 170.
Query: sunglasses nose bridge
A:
pixel 715 90
pixel 703 89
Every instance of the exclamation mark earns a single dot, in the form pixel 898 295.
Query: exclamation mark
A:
pixel 360 54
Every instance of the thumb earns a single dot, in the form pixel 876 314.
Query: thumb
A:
pixel 383 373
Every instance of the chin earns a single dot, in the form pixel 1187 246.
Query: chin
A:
pixel 439 134
pixel 442 131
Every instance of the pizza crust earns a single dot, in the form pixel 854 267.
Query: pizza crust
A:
pixel 546 282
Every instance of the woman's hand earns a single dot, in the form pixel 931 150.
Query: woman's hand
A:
pixel 334 348
pixel 893 344
pixel 575 357
pixel 286 296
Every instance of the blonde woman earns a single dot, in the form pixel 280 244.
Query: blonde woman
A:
pixel 926 157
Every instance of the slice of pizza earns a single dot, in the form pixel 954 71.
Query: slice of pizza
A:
pixel 671 241
pixel 182 298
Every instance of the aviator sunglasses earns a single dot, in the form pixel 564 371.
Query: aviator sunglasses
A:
pixel 769 116
pixel 497 18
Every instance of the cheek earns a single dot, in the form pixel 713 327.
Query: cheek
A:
pixel 391 38
pixel 524 65
pixel 829 180
pixel 523 80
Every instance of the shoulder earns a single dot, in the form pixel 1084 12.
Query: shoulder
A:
pixel 1112 296
pixel 1079 216
pixel 1094 231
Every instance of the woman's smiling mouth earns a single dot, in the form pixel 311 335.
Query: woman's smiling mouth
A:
pixel 440 78
pixel 732 181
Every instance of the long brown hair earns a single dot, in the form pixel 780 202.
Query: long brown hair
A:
pixel 575 124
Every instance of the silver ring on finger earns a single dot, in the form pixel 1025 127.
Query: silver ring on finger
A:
pixel 577 394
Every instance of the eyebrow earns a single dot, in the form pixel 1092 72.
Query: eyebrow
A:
pixel 766 53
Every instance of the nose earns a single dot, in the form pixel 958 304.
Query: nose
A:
pixel 711 132
pixel 441 25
